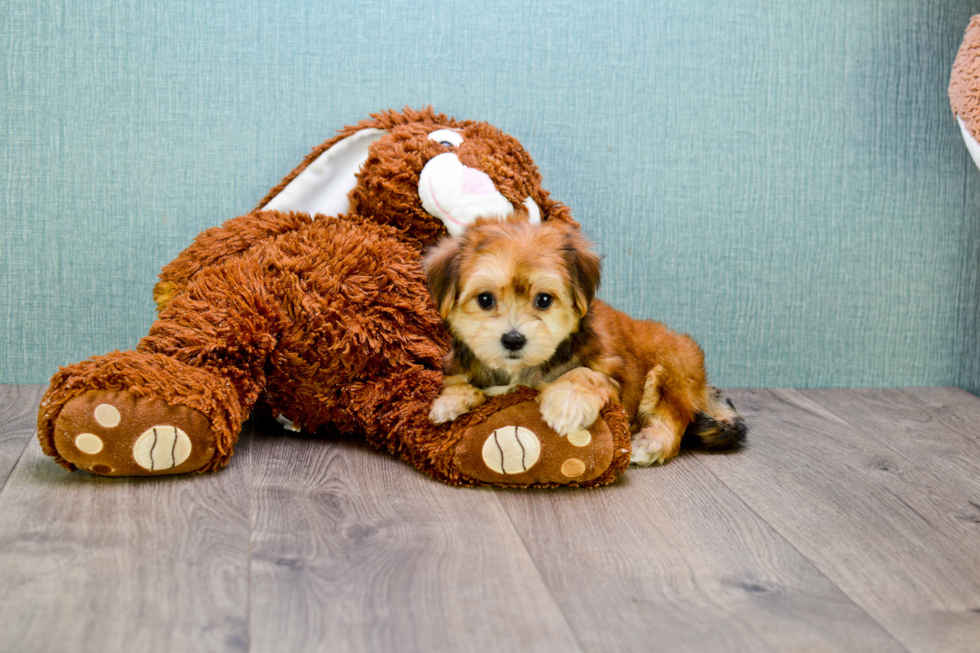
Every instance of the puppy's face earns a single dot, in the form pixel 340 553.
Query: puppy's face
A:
pixel 512 291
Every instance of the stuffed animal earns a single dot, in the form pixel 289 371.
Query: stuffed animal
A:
pixel 964 88
pixel 315 306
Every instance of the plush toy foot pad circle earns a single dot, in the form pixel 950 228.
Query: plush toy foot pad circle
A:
pixel 515 446
pixel 115 433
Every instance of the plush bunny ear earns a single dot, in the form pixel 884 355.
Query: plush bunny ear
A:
pixel 971 143
pixel 323 185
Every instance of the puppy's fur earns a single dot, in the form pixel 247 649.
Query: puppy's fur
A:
pixel 519 302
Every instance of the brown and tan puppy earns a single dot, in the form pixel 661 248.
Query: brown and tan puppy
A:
pixel 519 302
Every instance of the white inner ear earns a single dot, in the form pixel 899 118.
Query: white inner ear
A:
pixel 533 212
pixel 971 143
pixel 323 185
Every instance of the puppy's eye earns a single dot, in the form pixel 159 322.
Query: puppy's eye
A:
pixel 486 301
pixel 543 300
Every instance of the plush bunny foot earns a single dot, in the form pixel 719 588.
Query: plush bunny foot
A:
pixel 513 446
pixel 138 414
pixel 115 433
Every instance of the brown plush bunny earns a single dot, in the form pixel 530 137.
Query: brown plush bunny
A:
pixel 315 304
pixel 964 88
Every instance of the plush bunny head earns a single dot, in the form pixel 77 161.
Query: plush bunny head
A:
pixel 420 172
pixel 964 88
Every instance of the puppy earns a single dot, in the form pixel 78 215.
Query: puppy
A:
pixel 519 301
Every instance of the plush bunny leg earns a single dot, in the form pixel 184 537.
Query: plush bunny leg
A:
pixel 316 310
pixel 502 442
pixel 217 245
pixel 176 404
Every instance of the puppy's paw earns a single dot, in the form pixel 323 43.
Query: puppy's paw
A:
pixel 654 444
pixel 565 410
pixel 454 401
pixel 573 401
pixel 445 409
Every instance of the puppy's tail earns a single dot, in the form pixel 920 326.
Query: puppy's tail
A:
pixel 718 426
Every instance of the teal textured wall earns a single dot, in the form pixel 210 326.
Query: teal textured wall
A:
pixel 784 181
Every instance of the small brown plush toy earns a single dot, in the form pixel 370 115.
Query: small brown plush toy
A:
pixel 315 305
pixel 964 88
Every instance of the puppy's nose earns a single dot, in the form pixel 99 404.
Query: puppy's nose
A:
pixel 513 340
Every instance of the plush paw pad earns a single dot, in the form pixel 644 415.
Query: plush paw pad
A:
pixel 115 433
pixel 498 451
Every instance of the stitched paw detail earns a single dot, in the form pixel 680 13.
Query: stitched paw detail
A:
pixel 511 450
pixel 161 447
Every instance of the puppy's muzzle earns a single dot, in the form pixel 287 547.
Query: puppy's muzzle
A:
pixel 513 341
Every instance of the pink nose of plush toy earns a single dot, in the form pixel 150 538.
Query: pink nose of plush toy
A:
pixel 476 182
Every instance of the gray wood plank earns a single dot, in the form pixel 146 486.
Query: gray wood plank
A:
pixel 945 397
pixel 111 564
pixel 18 423
pixel 866 511
pixel 670 559
pixel 355 551
pixel 939 439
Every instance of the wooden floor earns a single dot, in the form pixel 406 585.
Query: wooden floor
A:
pixel 851 522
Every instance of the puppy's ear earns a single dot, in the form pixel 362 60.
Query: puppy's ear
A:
pixel 584 268
pixel 441 266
